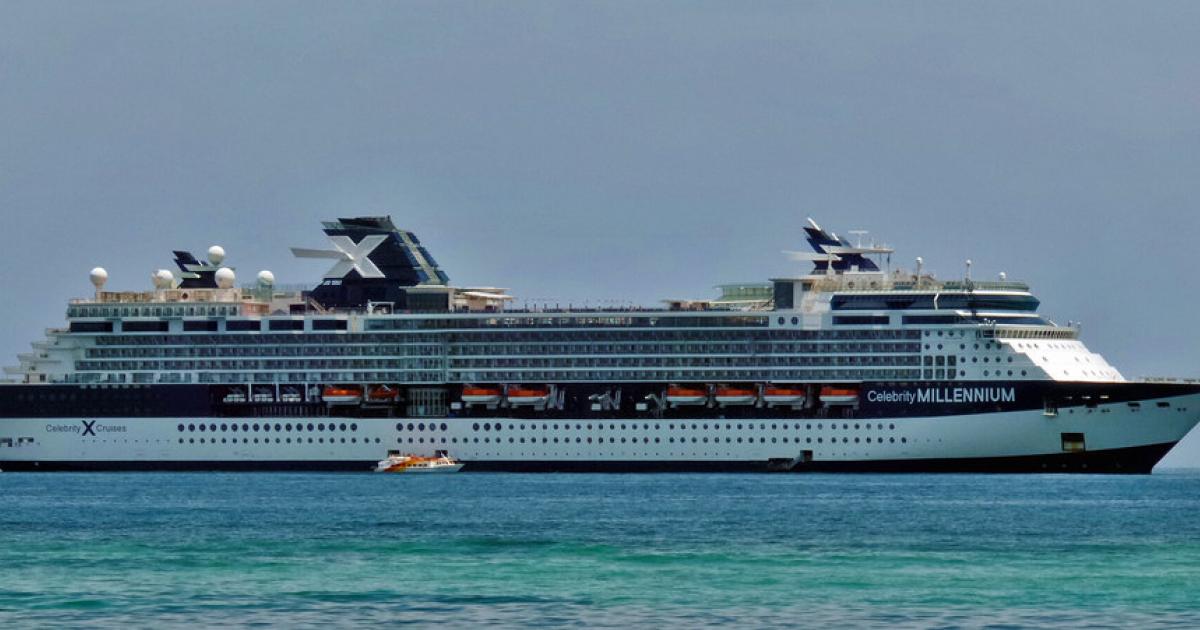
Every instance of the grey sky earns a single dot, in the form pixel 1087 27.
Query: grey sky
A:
pixel 614 151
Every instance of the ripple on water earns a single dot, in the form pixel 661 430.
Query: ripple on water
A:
pixel 596 550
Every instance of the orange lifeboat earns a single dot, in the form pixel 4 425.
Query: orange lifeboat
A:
pixel 476 395
pixel 839 395
pixel 382 393
pixel 784 395
pixel 687 395
pixel 342 394
pixel 521 396
pixel 735 395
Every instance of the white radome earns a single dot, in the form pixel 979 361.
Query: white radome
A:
pixel 266 278
pixel 163 279
pixel 99 276
pixel 225 278
pixel 216 254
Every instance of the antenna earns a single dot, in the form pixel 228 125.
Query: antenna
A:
pixel 968 269
pixel 859 234
pixel 920 263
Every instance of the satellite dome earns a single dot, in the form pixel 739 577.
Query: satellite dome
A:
pixel 163 279
pixel 225 278
pixel 99 276
pixel 266 278
pixel 216 254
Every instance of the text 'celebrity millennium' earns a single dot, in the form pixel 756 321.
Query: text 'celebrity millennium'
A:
pixel 851 367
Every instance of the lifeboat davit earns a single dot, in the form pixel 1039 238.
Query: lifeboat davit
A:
pixel 475 395
pixel 382 393
pixel 342 394
pixel 834 395
pixel 681 395
pixel 518 396
pixel 736 395
pixel 784 395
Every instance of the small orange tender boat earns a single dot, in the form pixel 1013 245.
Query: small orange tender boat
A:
pixel 342 394
pixel 478 395
pixel 832 395
pixel 684 395
pixel 518 396
pixel 382 393
pixel 784 395
pixel 439 463
pixel 736 395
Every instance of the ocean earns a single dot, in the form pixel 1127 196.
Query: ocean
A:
pixel 318 550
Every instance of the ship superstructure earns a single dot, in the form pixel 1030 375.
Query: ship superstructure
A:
pixel 849 366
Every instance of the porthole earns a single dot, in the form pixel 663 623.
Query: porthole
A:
pixel 181 428
pixel 475 426
pixel 341 427
pixel 354 427
pixel 202 428
pixel 421 427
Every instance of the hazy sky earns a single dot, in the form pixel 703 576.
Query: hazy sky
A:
pixel 615 151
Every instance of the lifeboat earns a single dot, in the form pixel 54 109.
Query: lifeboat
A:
pixel 536 396
pixel 784 395
pixel 475 395
pixel 342 394
pixel 736 395
pixel 687 395
pixel 834 395
pixel 382 394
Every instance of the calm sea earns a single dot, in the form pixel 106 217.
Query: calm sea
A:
pixel 309 550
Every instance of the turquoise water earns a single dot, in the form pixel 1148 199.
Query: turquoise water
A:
pixel 307 550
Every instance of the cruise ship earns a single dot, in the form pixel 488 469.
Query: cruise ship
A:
pixel 848 365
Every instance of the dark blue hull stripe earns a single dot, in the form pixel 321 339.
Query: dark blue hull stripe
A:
pixel 1134 460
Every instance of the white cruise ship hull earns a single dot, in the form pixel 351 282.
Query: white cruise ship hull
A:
pixel 1105 438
